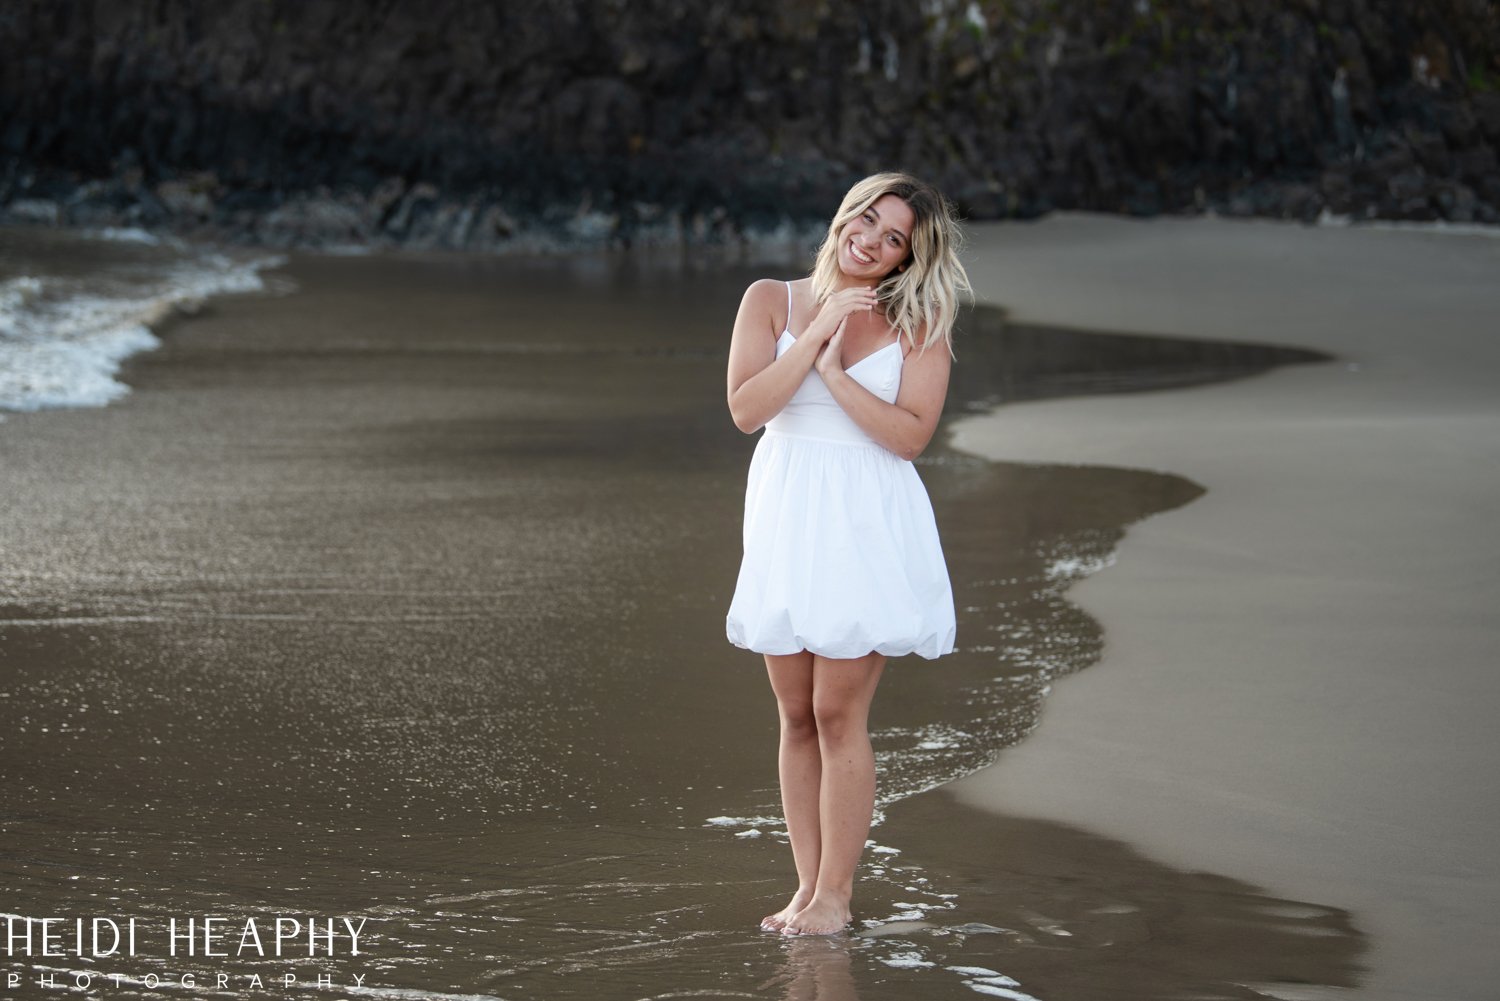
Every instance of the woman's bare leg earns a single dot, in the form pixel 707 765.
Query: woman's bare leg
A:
pixel 800 768
pixel 841 694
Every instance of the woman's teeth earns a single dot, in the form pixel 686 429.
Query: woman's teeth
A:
pixel 858 255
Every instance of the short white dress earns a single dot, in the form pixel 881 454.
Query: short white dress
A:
pixel 842 556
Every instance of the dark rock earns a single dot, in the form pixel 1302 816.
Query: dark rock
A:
pixel 598 115
pixel 418 203
pixel 1459 124
pixel 1430 150
pixel 149 210
pixel 319 220
pixel 1476 164
pixel 1408 186
pixel 34 210
pixel 1488 188
pixel 246 200
pixel 1456 202
pixel 981 201
pixel 1486 106
pixel 1301 201
pixel 1337 188
pixel 188 198
pixel 383 198
pixel 1396 160
pixel 451 124
pixel 1239 205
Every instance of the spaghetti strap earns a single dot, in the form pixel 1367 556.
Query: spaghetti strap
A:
pixel 789 307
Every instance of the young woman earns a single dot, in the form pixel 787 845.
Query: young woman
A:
pixel 846 370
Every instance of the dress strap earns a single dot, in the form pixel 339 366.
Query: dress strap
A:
pixel 788 306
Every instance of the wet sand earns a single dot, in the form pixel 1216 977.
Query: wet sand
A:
pixel 400 593
pixel 1299 669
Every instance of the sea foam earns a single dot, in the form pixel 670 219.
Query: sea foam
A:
pixel 64 331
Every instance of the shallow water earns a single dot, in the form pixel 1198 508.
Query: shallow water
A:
pixel 398 593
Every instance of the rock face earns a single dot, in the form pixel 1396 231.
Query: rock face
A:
pixel 624 122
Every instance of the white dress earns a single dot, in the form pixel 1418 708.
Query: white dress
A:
pixel 842 555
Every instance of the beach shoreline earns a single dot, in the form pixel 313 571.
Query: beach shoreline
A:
pixel 347 529
pixel 408 579
pixel 1295 683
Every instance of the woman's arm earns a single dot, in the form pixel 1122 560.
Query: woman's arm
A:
pixel 760 384
pixel 906 426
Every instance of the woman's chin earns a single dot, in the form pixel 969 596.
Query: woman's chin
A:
pixel 861 272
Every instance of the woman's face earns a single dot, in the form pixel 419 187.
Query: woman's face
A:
pixel 877 240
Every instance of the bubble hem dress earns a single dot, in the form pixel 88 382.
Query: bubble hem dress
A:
pixel 841 549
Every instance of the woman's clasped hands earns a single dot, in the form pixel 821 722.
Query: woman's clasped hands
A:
pixel 829 325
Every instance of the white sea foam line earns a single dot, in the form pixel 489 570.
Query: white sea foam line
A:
pixel 15 292
pixel 978 971
pixel 1072 567
pixel 999 992
pixel 61 374
pixel 65 352
pixel 761 821
pixel 421 995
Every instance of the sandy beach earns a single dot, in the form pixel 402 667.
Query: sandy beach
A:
pixel 1299 667
pixel 396 590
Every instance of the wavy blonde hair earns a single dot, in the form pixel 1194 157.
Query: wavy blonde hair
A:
pixel 925 294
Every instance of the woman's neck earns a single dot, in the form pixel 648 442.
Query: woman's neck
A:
pixel 842 281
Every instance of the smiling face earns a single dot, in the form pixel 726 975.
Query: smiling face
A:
pixel 874 242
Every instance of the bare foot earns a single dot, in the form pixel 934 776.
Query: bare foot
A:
pixel 821 916
pixel 777 921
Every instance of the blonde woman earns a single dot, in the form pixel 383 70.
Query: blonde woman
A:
pixel 846 371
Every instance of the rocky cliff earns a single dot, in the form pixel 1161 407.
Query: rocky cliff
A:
pixel 574 122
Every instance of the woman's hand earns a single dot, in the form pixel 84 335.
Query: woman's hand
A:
pixel 906 426
pixel 761 381
pixel 831 356
pixel 836 309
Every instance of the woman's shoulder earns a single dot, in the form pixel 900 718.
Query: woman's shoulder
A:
pixel 773 293
pixel 779 283
pixel 768 290
pixel 917 347
pixel 768 298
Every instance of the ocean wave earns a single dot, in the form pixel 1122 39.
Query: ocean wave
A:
pixel 64 333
